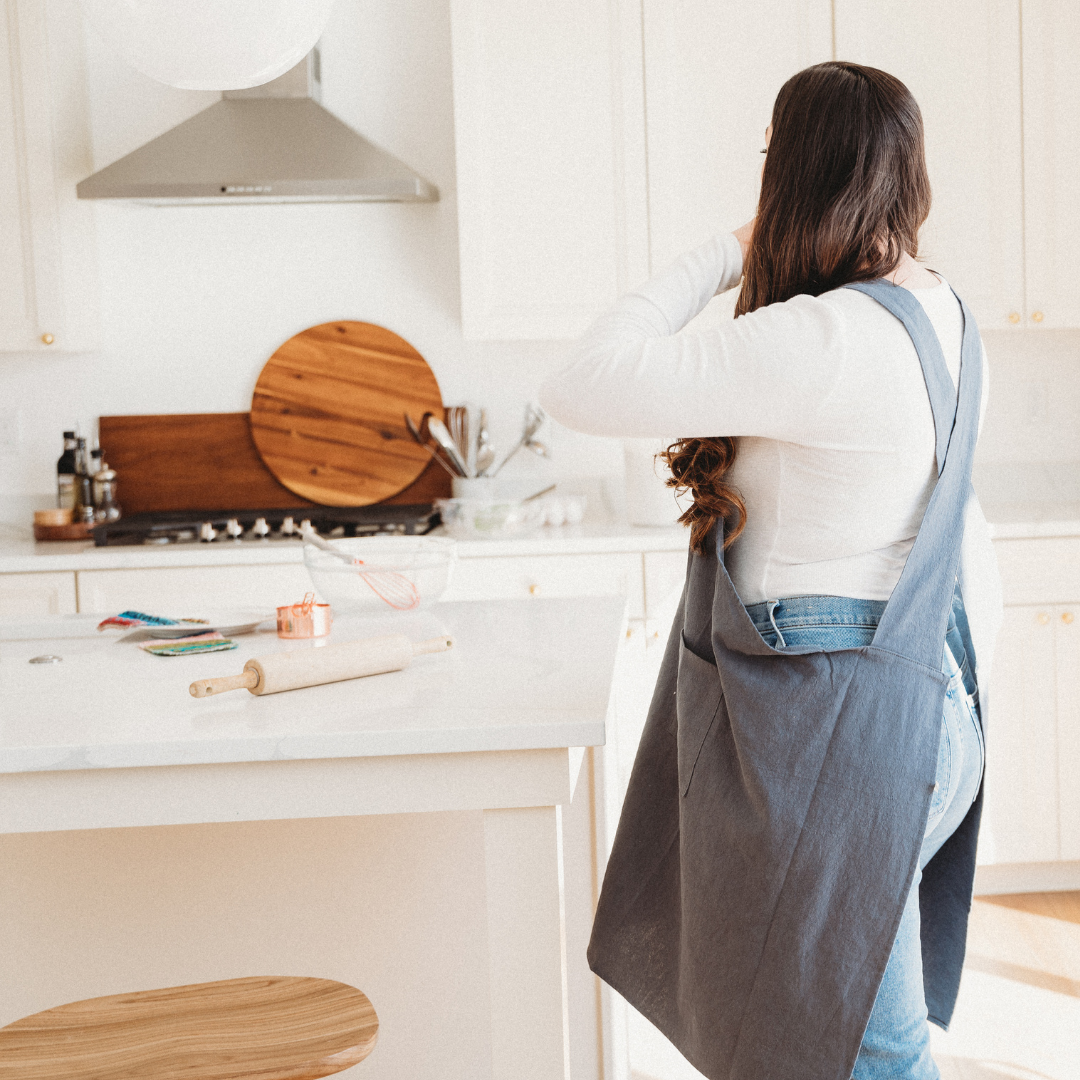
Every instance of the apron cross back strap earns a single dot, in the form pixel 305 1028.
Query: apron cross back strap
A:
pixel 917 614
pixel 914 621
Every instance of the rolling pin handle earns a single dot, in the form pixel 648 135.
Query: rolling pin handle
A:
pixel 433 645
pixel 246 680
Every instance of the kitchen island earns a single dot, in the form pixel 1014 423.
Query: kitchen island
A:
pixel 410 833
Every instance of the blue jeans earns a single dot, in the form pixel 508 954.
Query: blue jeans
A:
pixel 896 1044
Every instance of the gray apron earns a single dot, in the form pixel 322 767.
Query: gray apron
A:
pixel 776 809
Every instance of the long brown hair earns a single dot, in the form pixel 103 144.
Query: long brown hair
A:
pixel 844 192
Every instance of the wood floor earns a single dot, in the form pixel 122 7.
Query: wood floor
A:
pixel 1018 1014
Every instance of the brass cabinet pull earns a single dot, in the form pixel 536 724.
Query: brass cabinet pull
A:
pixel 47 339
pixel 1042 618
pixel 1036 316
pixel 1014 317
pixel 1066 617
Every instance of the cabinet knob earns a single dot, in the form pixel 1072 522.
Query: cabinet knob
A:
pixel 534 590
pixel 1066 617
pixel 1036 316
pixel 47 339
pixel 1042 618
pixel 1014 317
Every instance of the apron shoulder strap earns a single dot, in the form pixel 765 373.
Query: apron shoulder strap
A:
pixel 917 613
pixel 939 385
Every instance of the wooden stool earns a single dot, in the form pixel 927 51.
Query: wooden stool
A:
pixel 273 1028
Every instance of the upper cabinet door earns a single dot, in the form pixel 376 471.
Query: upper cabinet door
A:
pixel 961 60
pixel 534 116
pixel 48 261
pixel 712 72
pixel 1051 174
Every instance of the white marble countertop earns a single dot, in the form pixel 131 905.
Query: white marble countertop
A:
pixel 521 676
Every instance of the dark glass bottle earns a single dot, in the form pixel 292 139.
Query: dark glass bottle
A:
pixel 65 474
pixel 84 482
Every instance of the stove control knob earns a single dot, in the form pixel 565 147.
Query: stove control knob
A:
pixel 207 532
pixel 288 527
pixel 260 528
pixel 306 526
pixel 234 528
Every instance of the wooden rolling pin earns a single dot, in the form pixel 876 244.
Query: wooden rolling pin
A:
pixel 311 667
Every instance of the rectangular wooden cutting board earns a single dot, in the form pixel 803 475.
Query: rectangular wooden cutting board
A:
pixel 208 461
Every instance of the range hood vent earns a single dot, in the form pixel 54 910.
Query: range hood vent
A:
pixel 272 143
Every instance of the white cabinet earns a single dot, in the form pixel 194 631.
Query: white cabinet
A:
pixel 961 60
pixel 535 146
pixel 47 254
pixel 1032 810
pixel 1021 810
pixel 519 577
pixel 1067 654
pixel 25 596
pixel 1051 37
pixel 712 70
pixel 185 590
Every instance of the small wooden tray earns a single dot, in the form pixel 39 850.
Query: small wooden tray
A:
pixel 77 530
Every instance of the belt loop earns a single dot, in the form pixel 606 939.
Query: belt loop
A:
pixel 773 605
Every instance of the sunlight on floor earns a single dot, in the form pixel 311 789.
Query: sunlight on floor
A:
pixel 1018 1015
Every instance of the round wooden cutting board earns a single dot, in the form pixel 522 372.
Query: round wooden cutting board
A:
pixel 328 414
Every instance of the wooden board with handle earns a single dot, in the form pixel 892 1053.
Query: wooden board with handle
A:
pixel 328 413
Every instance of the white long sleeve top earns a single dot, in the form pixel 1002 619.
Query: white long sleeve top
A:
pixel 834 428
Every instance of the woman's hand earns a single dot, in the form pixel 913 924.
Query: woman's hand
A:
pixel 743 235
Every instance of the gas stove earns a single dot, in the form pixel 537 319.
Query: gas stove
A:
pixel 265 526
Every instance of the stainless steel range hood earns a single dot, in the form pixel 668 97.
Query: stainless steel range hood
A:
pixel 272 143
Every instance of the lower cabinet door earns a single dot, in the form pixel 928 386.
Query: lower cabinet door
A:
pixel 25 596
pixel 1067 633
pixel 183 591
pixel 1021 819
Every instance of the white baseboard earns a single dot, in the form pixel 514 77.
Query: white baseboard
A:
pixel 996 878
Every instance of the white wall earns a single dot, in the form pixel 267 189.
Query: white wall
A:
pixel 195 299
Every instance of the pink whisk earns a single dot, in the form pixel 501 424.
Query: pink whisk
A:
pixel 391 587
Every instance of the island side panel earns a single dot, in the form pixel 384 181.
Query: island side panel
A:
pixel 523 851
pixel 396 905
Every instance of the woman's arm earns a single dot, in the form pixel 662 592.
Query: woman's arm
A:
pixel 633 374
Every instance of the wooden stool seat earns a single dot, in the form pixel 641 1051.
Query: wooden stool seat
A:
pixel 272 1028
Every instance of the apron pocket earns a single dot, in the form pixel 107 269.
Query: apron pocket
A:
pixel 698 695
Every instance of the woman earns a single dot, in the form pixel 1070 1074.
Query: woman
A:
pixel 788 890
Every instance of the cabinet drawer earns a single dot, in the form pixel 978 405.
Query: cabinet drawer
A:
pixel 183 590
pixel 513 577
pixel 1040 571
pixel 30 595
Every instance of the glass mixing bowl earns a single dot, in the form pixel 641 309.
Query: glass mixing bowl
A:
pixel 386 574
pixel 489 519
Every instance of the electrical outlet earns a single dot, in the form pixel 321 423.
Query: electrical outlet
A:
pixel 10 431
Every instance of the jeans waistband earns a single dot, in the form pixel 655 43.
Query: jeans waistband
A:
pixel 838 622
pixel 815 611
